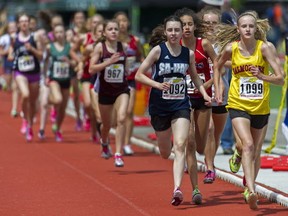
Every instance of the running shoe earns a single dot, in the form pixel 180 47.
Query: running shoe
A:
pixel 29 134
pixel 58 136
pixel 128 150
pixel 53 115
pixel 118 161
pixel 246 194
pixel 177 197
pixel 251 199
pixel 209 177
pixel 24 126
pixel 3 84
pixel 41 134
pixel 235 162
pixel 14 113
pixel 106 152
pixel 196 197
pixel 87 124
pixel 79 125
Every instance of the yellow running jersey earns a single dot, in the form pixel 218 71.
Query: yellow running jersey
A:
pixel 247 92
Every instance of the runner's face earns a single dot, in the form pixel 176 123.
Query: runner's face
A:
pixel 23 23
pixel 95 21
pixel 59 33
pixel 210 21
pixel 56 21
pixel 33 24
pixel 12 27
pixel 43 35
pixel 173 31
pixel 79 20
pixel 188 26
pixel 111 31
pixel 247 27
pixel 69 35
pixel 99 31
pixel 123 22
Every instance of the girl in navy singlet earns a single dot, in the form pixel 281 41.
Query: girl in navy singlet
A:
pixel 27 52
pixel 200 114
pixel 108 60
pixel 169 104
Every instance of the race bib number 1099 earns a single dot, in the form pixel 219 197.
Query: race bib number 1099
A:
pixel 251 88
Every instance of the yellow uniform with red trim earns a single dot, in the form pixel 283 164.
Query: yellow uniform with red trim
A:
pixel 247 92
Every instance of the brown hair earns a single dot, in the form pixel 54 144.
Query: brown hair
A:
pixel 105 23
pixel 157 36
pixel 199 27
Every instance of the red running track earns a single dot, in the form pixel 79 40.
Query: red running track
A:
pixel 70 178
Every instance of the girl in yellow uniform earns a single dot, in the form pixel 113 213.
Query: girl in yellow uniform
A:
pixel 248 98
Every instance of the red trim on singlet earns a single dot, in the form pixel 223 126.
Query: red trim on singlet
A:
pixel 133 45
pixel 202 65
pixel 89 40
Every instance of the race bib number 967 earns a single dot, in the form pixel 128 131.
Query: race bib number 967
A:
pixel 114 73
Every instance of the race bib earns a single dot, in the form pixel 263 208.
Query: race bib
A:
pixel 131 60
pixel 114 73
pixel 251 88
pixel 61 70
pixel 190 85
pixel 26 63
pixel 177 89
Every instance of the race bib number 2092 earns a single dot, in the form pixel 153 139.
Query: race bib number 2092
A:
pixel 177 89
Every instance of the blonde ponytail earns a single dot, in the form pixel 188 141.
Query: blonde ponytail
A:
pixel 228 33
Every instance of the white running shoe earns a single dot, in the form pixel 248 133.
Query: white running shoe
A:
pixel 128 150
pixel 118 161
pixel 177 197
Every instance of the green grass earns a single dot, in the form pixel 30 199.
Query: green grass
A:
pixel 275 96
